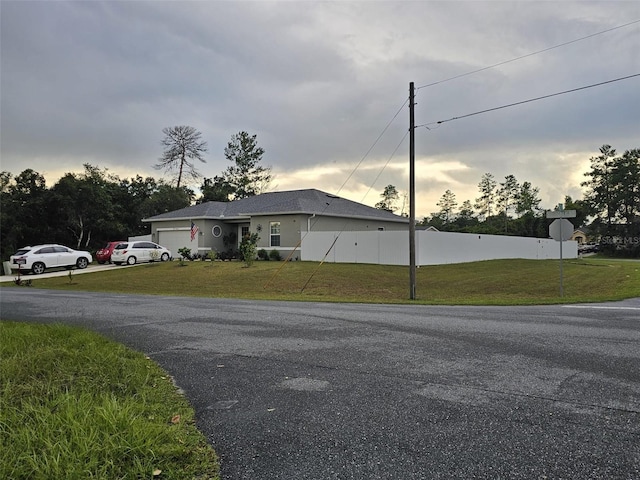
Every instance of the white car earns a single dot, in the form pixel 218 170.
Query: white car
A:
pixel 40 257
pixel 134 252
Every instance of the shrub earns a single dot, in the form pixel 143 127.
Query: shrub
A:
pixel 185 254
pixel 262 254
pixel 275 255
pixel 248 248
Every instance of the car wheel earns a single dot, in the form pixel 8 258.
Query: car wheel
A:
pixel 165 257
pixel 101 262
pixel 82 262
pixel 131 261
pixel 38 268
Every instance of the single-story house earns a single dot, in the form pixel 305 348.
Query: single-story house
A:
pixel 579 236
pixel 281 220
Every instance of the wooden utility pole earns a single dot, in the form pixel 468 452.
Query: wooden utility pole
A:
pixel 412 196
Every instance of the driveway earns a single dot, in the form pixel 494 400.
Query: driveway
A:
pixel 335 391
pixel 63 272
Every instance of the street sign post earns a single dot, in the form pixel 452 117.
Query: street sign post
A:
pixel 561 230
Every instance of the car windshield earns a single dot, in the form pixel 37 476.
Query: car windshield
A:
pixel 23 251
pixel 121 246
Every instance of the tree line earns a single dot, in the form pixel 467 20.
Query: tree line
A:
pixel 85 210
pixel 609 212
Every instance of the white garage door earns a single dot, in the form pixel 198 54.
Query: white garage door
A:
pixel 177 239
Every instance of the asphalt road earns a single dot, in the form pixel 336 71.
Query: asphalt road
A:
pixel 333 391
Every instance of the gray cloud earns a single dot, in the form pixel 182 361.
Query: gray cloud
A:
pixel 318 82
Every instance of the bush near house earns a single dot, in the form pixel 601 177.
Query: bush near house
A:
pixel 275 255
pixel 248 248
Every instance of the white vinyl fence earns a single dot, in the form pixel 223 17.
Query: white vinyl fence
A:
pixel 432 248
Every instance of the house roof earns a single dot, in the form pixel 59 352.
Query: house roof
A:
pixel 309 202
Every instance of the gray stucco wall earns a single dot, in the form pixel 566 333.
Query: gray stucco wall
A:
pixel 290 228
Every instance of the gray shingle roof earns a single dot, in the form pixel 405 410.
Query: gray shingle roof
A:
pixel 308 201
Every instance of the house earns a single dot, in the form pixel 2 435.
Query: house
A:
pixel 579 236
pixel 281 220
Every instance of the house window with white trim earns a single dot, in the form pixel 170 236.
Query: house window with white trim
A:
pixel 244 232
pixel 274 237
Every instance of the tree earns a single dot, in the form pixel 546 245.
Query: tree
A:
pixel 182 145
pixel 507 197
pixel 466 217
pixel 613 197
pixel 166 198
pixel 527 200
pixel 215 190
pixel 447 205
pixel 601 193
pixel 246 177
pixel 132 195
pixel 582 210
pixel 24 212
pixel 626 186
pixel 435 220
pixel 80 210
pixel 5 181
pixel 83 204
pixel 389 196
pixel 485 203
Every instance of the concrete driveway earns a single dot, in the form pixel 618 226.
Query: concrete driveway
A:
pixel 63 272
pixel 333 391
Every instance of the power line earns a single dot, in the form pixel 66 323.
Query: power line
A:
pixel 385 166
pixel 527 55
pixel 374 144
pixel 528 101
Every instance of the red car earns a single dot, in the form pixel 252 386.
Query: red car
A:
pixel 104 254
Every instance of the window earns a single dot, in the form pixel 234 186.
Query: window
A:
pixel 244 231
pixel 274 239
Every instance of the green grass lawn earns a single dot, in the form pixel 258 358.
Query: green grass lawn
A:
pixel 76 406
pixel 495 282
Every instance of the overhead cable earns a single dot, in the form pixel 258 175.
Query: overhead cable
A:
pixel 527 55
pixel 527 101
pixel 374 144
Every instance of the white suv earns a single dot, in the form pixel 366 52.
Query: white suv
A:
pixel 40 257
pixel 134 252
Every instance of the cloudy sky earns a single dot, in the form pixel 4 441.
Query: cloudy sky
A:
pixel 318 83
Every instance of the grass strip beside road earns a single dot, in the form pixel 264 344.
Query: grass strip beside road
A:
pixel 494 282
pixel 76 405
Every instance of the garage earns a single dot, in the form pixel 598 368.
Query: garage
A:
pixel 175 239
